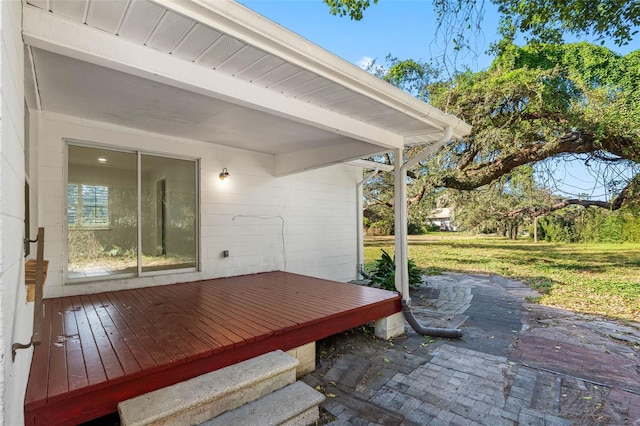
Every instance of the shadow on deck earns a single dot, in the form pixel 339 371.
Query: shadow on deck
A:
pixel 100 349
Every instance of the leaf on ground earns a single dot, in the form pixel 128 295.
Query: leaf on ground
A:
pixel 385 360
pixel 330 395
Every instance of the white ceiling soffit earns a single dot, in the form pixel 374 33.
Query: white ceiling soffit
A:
pixel 231 55
pixel 81 89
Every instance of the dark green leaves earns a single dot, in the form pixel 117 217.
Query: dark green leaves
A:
pixel 384 273
pixel 546 21
pixel 352 8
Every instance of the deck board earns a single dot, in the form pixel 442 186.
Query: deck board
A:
pixel 100 349
pixel 128 319
pixel 110 315
pixel 96 370
pixel 58 379
pixel 77 373
pixel 40 363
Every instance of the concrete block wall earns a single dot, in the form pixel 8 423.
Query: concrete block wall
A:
pixel 15 312
pixel 244 214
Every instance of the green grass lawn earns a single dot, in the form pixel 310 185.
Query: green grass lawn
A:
pixel 602 279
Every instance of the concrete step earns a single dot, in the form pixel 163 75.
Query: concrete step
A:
pixel 204 397
pixel 295 405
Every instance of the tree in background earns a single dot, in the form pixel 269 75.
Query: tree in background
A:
pixel 379 200
pixel 489 209
pixel 537 106
pixel 540 103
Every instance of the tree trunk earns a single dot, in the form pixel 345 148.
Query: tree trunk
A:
pixel 535 229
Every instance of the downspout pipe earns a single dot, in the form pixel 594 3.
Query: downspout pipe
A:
pixel 450 333
pixel 360 219
pixel 401 240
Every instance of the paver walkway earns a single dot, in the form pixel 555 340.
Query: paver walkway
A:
pixel 518 364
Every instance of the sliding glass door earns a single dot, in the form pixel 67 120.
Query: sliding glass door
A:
pixel 168 213
pixel 129 213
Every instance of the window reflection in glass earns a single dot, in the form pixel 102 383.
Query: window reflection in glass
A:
pixel 101 212
pixel 168 213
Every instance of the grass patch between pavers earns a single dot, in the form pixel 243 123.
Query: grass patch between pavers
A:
pixel 601 279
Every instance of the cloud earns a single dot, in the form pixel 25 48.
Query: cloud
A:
pixel 369 64
pixel 365 62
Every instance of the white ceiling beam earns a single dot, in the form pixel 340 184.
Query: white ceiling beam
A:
pixel 48 32
pixel 299 161
pixel 367 164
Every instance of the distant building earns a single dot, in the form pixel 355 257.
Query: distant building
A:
pixel 442 218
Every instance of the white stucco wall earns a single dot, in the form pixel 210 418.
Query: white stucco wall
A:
pixel 16 314
pixel 242 214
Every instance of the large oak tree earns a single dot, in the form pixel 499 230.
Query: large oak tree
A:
pixel 536 104
pixel 544 102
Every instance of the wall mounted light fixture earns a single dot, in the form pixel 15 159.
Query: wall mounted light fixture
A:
pixel 224 174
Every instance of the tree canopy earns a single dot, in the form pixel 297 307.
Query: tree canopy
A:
pixel 542 21
pixel 536 104
pixel 540 102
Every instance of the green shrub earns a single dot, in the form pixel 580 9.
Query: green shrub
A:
pixel 631 231
pixel 611 230
pixel 415 228
pixel 366 222
pixel 596 225
pixel 384 273
pixel 432 228
pixel 381 228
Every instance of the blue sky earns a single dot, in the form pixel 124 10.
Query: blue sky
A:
pixel 403 28
pixel 407 29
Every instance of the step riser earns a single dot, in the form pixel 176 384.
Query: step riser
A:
pixel 193 415
pixel 199 399
pixel 309 417
pixel 295 405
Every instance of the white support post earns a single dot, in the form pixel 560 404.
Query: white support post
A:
pixel 400 223
pixel 400 200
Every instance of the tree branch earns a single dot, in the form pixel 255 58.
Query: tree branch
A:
pixel 416 198
pixel 615 204
pixel 477 175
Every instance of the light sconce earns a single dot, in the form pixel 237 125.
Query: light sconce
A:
pixel 224 174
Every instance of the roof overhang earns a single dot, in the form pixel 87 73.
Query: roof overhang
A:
pixel 217 72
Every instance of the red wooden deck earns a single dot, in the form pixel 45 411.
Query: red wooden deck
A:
pixel 100 349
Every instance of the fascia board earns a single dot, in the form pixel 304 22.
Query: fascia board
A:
pixel 251 27
pixel 58 35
